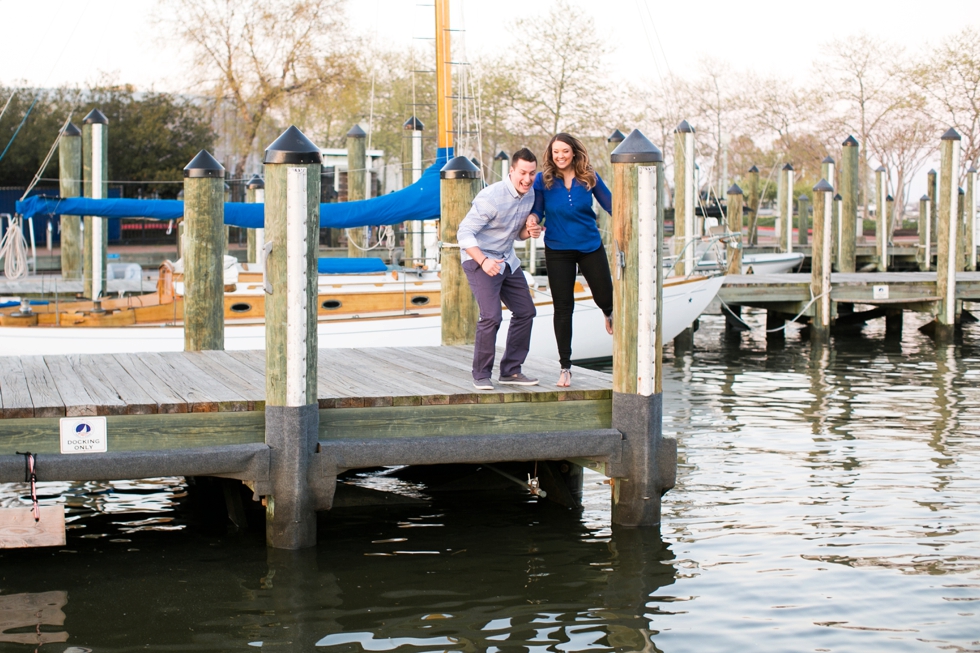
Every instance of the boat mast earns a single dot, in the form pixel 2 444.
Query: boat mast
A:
pixel 444 86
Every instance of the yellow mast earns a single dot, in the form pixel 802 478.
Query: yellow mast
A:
pixel 444 86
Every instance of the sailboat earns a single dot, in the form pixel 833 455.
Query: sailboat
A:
pixel 379 308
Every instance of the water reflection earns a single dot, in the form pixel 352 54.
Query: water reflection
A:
pixel 827 498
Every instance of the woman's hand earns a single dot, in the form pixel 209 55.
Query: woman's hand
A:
pixel 531 228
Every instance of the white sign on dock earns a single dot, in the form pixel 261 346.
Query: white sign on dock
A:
pixel 879 292
pixel 83 435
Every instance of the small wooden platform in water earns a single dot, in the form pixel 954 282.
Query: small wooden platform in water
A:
pixel 197 409
pixel 789 293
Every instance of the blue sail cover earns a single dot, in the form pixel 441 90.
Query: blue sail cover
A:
pixel 420 201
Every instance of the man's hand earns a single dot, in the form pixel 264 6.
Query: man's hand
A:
pixel 531 228
pixel 491 265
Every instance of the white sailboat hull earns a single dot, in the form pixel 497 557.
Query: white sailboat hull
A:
pixel 683 303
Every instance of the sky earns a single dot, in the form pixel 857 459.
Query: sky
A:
pixel 76 42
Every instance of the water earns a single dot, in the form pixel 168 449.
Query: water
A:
pixel 826 501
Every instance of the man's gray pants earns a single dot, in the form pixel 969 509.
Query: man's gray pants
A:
pixel 511 289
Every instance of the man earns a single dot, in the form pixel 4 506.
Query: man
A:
pixel 486 242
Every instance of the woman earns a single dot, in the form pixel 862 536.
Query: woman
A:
pixel 563 193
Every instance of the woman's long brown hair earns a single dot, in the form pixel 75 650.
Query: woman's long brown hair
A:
pixel 580 162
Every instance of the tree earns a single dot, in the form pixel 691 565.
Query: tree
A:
pixel 864 74
pixel 902 144
pixel 257 54
pixel 152 136
pixel 563 85
pixel 950 79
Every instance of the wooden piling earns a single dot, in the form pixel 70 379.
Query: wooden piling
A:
pixel 357 237
pixel 925 242
pixel 821 259
pixel 838 203
pixel 828 172
pixel 849 178
pixel 753 205
pixel 204 236
pixel 946 234
pixel 255 194
pixel 803 219
pixel 734 249
pixel 971 218
pixel 786 210
pixel 70 183
pixel 961 258
pixel 881 210
pixel 684 199
pixel 932 190
pixel 650 460
pixel 95 166
pixel 292 224
pixel 460 182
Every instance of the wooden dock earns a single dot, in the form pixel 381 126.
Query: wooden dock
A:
pixel 202 413
pixel 790 293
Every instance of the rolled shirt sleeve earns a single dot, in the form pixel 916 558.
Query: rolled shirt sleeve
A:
pixel 475 221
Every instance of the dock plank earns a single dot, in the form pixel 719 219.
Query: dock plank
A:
pixel 239 378
pixel 137 400
pixel 413 387
pixel 106 398
pixel 453 379
pixel 44 393
pixel 167 401
pixel 15 396
pixel 202 393
pixel 71 387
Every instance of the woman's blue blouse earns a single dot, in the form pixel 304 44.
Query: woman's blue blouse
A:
pixel 571 222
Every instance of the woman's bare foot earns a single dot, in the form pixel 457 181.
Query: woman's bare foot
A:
pixel 564 378
pixel 609 324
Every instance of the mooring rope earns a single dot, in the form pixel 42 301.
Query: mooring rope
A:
pixel 13 249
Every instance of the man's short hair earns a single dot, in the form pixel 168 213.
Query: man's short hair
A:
pixel 524 154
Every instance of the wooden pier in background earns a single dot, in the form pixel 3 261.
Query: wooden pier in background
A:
pixel 790 293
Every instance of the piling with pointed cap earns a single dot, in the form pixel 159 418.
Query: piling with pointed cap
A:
pixel 971 218
pixel 821 260
pixel 95 166
pixel 616 137
pixel 932 190
pixel 734 249
pixel 503 163
pixel 786 210
pixel 684 191
pixel 753 205
pixel 70 182
pixel 946 234
pixel 357 237
pixel 828 172
pixel 961 257
pixel 459 184
pixel 650 460
pixel 803 219
pixel 881 224
pixel 924 255
pixel 850 227
pixel 292 224
pixel 204 235
pixel 255 194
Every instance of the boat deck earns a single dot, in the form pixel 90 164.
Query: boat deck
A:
pixel 202 413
